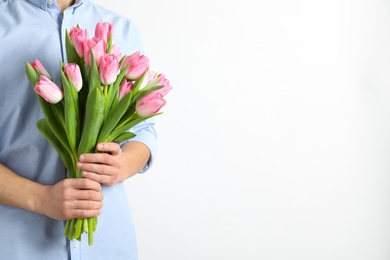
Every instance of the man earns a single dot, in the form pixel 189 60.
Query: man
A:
pixel 35 197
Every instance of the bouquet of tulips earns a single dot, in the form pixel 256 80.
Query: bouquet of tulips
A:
pixel 103 95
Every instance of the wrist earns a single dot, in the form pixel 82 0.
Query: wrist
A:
pixel 35 198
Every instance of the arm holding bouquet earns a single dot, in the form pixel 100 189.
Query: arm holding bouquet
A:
pixel 67 199
pixel 75 198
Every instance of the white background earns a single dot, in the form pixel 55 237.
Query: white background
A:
pixel 275 141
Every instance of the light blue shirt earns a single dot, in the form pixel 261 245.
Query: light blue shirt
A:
pixel 34 29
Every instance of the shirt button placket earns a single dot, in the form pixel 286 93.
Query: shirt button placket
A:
pixel 75 250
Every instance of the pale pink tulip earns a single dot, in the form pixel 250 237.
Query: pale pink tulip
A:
pixel 48 90
pixel 98 47
pixel 150 104
pixel 108 68
pixel 163 81
pixel 124 88
pixel 148 78
pixel 78 38
pixel 138 65
pixel 38 67
pixel 116 51
pixel 73 72
pixel 104 31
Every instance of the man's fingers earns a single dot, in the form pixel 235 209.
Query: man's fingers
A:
pixel 101 178
pixel 87 205
pixel 112 148
pixel 97 158
pixel 85 184
pixel 89 195
pixel 81 213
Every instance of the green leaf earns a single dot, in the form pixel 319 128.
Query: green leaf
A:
pixel 67 158
pixel 113 117
pixel 94 78
pixel 70 111
pixel 32 75
pixel 138 83
pixel 71 54
pixel 59 117
pixel 126 125
pixel 113 92
pixel 94 116
pixel 109 43
pixel 124 137
pixel 83 93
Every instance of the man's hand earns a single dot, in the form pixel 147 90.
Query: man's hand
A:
pixel 67 199
pixel 104 167
pixel 114 164
pixel 72 198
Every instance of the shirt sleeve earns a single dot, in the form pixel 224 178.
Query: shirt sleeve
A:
pixel 128 37
pixel 146 134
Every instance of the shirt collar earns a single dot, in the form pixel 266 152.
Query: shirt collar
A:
pixel 41 3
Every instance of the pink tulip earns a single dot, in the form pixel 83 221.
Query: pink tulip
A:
pixel 163 81
pixel 73 72
pixel 48 90
pixel 78 38
pixel 108 68
pixel 138 65
pixel 98 47
pixel 150 104
pixel 38 67
pixel 149 77
pixel 115 50
pixel 124 88
pixel 104 31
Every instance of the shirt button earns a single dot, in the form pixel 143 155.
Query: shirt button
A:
pixel 43 7
pixel 76 245
pixel 50 2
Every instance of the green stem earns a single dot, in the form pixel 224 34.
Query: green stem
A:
pixel 90 228
pixel 71 229
pixel 105 90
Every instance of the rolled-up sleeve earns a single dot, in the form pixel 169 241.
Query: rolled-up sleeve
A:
pixel 146 134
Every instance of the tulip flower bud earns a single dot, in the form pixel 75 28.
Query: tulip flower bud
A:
pixel 72 71
pixel 115 50
pixel 124 88
pixel 163 81
pixel 78 38
pixel 38 67
pixel 138 65
pixel 48 90
pixel 108 69
pixel 148 78
pixel 150 104
pixel 98 47
pixel 104 30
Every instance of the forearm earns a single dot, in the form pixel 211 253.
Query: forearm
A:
pixel 135 156
pixel 18 192
pixel 70 198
